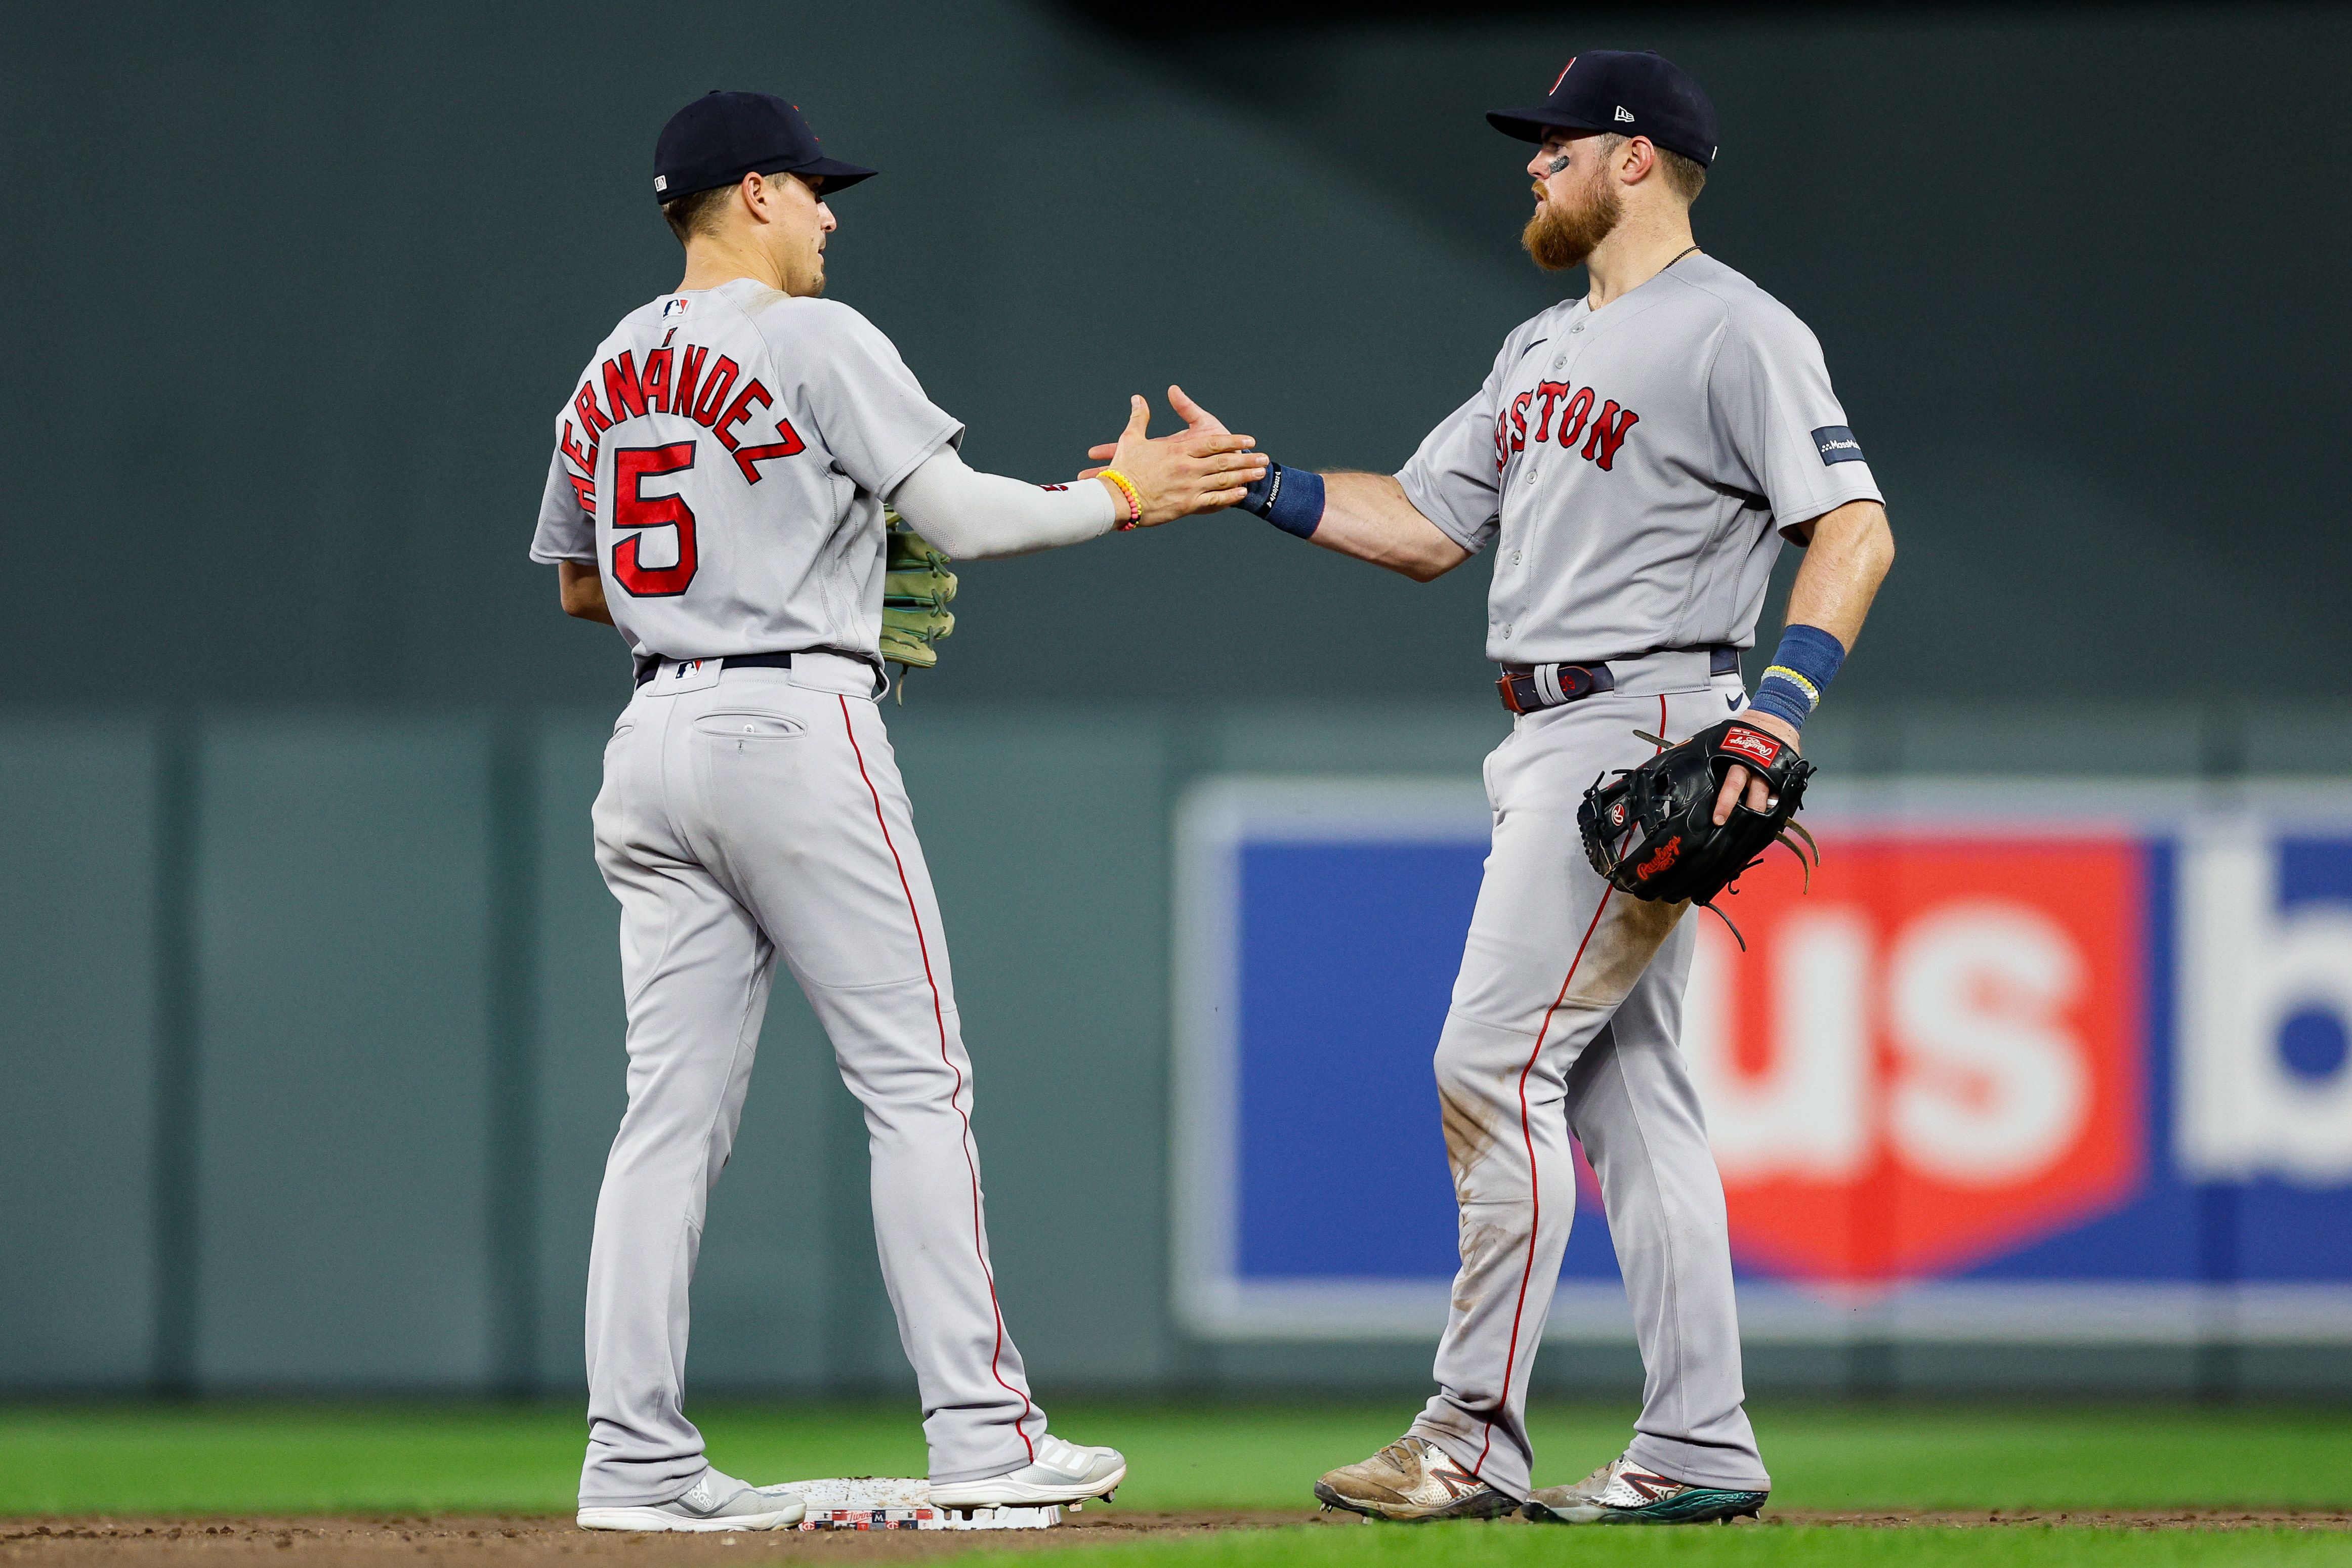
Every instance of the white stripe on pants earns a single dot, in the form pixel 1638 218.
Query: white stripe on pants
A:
pixel 759 817
pixel 1565 1018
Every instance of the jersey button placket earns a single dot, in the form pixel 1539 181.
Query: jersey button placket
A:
pixel 1559 362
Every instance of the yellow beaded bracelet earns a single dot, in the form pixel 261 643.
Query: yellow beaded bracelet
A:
pixel 1134 497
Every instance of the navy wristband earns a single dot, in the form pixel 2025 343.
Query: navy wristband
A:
pixel 1289 498
pixel 1801 670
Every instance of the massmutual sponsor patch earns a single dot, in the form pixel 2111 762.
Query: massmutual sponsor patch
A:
pixel 1836 443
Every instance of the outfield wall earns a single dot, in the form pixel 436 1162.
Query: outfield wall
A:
pixel 312 1049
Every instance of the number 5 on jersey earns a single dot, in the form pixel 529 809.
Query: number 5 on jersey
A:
pixel 633 511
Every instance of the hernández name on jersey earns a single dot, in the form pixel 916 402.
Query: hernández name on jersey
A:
pixel 677 378
pixel 722 460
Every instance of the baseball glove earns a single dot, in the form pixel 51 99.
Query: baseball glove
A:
pixel 1651 830
pixel 916 588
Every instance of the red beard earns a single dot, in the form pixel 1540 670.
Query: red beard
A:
pixel 1561 239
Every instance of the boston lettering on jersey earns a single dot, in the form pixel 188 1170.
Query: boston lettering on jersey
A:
pixel 1603 433
pixel 682 381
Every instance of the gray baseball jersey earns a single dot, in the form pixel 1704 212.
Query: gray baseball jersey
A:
pixel 1634 467
pixel 723 461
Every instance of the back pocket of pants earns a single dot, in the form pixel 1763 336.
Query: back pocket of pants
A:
pixel 748 730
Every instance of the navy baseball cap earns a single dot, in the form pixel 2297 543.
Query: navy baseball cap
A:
pixel 1642 94
pixel 722 136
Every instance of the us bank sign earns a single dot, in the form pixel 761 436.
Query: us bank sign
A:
pixel 2016 1068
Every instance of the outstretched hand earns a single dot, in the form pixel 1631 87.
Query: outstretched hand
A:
pixel 1198 421
pixel 1202 469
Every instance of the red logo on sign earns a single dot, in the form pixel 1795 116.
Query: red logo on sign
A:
pixel 1751 743
pixel 1931 1059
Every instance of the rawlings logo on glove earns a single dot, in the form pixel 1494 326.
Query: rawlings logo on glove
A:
pixel 1651 830
pixel 1751 744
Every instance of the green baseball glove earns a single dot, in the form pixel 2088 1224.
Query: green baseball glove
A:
pixel 916 588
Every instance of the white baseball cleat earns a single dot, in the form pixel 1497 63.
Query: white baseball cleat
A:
pixel 1622 1492
pixel 714 1502
pixel 1060 1473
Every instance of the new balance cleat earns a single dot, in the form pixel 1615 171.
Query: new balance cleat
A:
pixel 1060 1473
pixel 1622 1492
pixel 1410 1479
pixel 714 1502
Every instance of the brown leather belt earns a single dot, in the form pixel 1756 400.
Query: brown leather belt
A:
pixel 1531 688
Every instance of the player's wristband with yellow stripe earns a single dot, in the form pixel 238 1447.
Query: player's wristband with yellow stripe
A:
pixel 1802 667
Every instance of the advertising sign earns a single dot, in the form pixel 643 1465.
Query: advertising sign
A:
pixel 2008 1071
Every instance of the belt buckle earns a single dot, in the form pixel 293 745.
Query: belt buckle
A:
pixel 1519 691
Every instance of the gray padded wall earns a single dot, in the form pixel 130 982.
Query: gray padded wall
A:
pixel 341 894
pixel 358 1204
pixel 77 1051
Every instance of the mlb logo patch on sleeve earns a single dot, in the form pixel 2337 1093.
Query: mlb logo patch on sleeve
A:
pixel 1836 443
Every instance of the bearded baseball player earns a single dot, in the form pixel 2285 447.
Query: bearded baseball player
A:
pixel 718 492
pixel 1636 459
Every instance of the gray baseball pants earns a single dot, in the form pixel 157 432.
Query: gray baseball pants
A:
pixel 761 815
pixel 1564 1020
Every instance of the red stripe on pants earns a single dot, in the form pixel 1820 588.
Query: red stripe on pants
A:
pixel 1526 1133
pixel 938 1017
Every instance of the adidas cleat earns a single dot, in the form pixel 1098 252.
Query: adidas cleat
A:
pixel 715 1502
pixel 1060 1473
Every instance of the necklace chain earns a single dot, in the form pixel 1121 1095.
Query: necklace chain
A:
pixel 1677 256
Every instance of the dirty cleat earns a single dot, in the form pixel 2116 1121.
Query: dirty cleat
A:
pixel 1060 1473
pixel 1412 1479
pixel 1622 1492
pixel 714 1502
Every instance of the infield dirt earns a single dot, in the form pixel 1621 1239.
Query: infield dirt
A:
pixel 498 1541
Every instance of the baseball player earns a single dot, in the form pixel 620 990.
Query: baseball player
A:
pixel 1634 459
pixel 718 494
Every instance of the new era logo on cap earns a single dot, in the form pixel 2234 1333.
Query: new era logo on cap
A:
pixel 1836 443
pixel 661 181
pixel 1624 91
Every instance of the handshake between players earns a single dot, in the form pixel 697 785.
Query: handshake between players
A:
pixel 719 493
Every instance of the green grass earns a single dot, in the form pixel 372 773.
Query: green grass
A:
pixel 1487 1546
pixel 211 1459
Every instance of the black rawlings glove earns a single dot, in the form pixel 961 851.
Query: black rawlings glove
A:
pixel 1651 830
